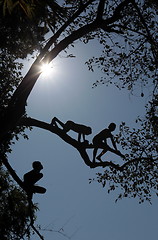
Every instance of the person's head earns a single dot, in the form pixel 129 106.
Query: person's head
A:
pixel 88 130
pixel 112 127
pixel 37 165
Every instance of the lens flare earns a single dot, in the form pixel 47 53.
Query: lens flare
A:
pixel 46 69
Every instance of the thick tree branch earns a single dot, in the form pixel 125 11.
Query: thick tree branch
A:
pixel 108 24
pixel 79 33
pixel 34 72
pixel 100 10
pixel 26 86
pixel 63 44
pixel 80 146
pixel 63 27
pixel 12 172
pixel 51 128
pixel 96 24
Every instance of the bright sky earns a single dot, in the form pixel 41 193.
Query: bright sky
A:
pixel 85 211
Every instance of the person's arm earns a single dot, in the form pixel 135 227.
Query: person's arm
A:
pixel 55 120
pixel 113 142
pixel 32 177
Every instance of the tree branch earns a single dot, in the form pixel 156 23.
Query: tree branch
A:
pixel 28 82
pixel 80 146
pixel 130 29
pixel 12 172
pixel 100 10
pixel 141 18
pixel 63 27
pixel 117 13
pixel 51 128
pixel 32 219
pixel 82 31
pixel 105 24
pixel 149 37
pixel 63 44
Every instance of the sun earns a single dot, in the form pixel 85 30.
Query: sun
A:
pixel 46 69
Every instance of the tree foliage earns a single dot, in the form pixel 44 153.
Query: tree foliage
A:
pixel 127 32
pixel 14 209
pixel 23 24
pixel 138 175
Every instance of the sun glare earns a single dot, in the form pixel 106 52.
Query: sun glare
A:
pixel 47 69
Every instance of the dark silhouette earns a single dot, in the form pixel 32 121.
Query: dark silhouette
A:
pixel 32 177
pixel 100 141
pixel 82 130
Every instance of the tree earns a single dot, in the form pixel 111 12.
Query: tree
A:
pixel 128 62
pixel 17 213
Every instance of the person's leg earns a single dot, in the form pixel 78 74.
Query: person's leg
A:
pixel 94 154
pixel 105 147
pixel 60 122
pixel 101 154
pixel 38 189
pixel 79 137
pixel 36 177
pixel 55 120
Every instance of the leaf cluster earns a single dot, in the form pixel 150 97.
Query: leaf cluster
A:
pixel 129 59
pixel 10 77
pixel 139 174
pixel 23 24
pixel 14 210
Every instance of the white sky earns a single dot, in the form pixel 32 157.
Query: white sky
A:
pixel 70 201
